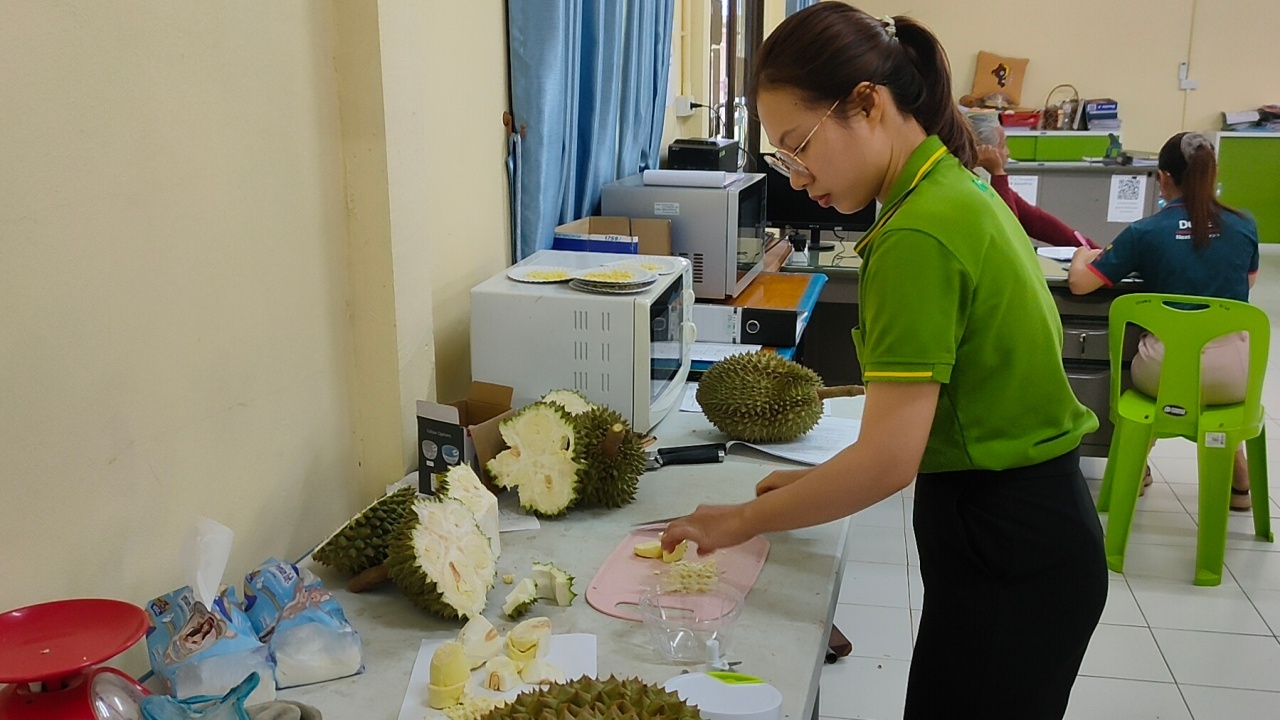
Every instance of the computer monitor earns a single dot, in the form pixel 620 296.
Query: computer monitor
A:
pixel 788 208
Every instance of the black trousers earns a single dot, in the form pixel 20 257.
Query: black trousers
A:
pixel 1015 579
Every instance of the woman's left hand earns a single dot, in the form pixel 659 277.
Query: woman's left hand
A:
pixel 711 527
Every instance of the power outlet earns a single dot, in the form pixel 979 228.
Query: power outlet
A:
pixel 684 105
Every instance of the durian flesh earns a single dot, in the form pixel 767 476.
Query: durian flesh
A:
pixel 648 549
pixel 449 676
pixel 520 599
pixel 501 674
pixel 461 483
pixel 529 641
pixel 441 560
pixel 480 640
pixel 573 402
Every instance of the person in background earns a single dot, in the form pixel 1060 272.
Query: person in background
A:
pixel 960 346
pixel 1195 245
pixel 993 154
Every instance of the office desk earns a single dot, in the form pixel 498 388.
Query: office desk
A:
pixel 781 635
pixel 827 345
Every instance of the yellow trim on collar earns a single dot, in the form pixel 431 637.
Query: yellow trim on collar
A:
pixel 898 374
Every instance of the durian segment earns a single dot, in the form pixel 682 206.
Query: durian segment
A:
pixel 441 560
pixel 472 708
pixel 520 599
pixel 500 674
pixel 573 402
pixel 676 554
pixel 541 672
pixel 539 460
pixel 648 549
pixel 550 484
pixel 528 641
pixel 362 542
pixel 609 473
pixel 590 698
pixel 554 584
pixel 480 640
pixel 760 397
pixel 461 483
pixel 449 676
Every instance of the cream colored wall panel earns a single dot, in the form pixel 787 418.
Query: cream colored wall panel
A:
pixel 173 272
pixel 1233 59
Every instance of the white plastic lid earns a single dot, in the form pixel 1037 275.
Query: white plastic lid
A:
pixel 728 696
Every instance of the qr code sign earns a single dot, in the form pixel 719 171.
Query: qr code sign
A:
pixel 1130 189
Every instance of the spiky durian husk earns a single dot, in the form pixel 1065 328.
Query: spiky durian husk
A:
pixel 539 459
pixel 760 397
pixel 362 542
pixel 630 699
pixel 602 480
pixel 572 401
pixel 441 560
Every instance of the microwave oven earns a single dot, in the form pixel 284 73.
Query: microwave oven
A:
pixel 719 230
pixel 630 352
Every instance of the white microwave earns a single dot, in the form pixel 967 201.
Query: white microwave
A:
pixel 630 352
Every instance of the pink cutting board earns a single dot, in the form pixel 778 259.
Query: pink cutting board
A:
pixel 618 584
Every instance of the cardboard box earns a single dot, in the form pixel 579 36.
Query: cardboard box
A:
pixel 465 430
pixel 645 236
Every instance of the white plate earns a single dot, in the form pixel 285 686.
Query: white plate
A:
pixel 574 655
pixel 612 275
pixel 540 274
pixel 1061 254
pixel 586 287
pixel 651 263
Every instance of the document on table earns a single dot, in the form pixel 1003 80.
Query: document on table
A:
pixel 830 436
pixel 715 352
pixel 690 401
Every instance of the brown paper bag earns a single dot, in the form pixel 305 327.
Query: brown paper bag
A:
pixel 999 74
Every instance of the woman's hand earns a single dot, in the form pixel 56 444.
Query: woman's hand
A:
pixel 779 479
pixel 711 527
pixel 991 159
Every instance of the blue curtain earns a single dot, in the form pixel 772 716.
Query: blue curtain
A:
pixel 794 6
pixel 589 83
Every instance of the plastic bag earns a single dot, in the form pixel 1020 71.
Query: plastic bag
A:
pixel 304 627
pixel 205 707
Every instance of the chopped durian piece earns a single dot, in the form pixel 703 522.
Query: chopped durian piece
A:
pixel 541 672
pixel 500 674
pixel 508 578
pixel 529 640
pixel 449 675
pixel 520 599
pixel 677 554
pixel 648 549
pixel 480 640
pixel 473 708
pixel 554 584
pixel 441 560
pixel 692 577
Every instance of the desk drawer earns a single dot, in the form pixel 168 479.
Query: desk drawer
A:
pixel 1084 341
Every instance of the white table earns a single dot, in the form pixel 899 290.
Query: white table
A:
pixel 781 635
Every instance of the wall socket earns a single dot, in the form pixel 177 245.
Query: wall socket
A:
pixel 684 105
pixel 1184 80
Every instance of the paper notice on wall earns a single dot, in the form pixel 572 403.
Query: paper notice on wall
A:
pixel 1127 198
pixel 1027 187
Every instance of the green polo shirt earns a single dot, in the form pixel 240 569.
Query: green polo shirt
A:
pixel 951 292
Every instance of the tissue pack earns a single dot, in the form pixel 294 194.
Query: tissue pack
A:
pixel 303 625
pixel 198 650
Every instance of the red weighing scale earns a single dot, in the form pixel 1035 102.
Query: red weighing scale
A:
pixel 48 654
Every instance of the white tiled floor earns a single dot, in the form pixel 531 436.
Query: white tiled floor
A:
pixel 1165 648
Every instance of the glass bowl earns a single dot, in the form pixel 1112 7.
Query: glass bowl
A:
pixel 681 624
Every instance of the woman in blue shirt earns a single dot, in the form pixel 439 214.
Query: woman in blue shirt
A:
pixel 1194 246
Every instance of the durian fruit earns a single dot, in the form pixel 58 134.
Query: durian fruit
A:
pixel 541 672
pixel 539 459
pixel 630 699
pixel 760 397
pixel 520 599
pixel 480 640
pixel 449 676
pixel 500 674
pixel 573 402
pixel 648 549
pixel 676 554
pixel 529 641
pixel 441 560
pixel 362 542
pixel 610 458
pixel 461 483
pixel 554 584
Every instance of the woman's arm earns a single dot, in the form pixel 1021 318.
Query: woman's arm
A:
pixel 1081 278
pixel 896 421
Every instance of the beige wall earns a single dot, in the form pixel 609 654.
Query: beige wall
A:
pixel 233 239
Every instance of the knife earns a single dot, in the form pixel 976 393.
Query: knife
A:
pixel 684 455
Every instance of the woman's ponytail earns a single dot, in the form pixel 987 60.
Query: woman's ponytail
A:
pixel 934 107
pixel 1189 159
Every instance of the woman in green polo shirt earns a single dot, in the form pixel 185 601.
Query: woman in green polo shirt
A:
pixel 960 345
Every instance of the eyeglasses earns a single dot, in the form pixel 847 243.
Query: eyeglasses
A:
pixel 787 163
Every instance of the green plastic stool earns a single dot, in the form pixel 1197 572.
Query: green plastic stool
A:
pixel 1185 324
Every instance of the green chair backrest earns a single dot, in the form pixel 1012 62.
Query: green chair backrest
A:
pixel 1185 324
